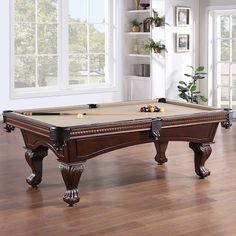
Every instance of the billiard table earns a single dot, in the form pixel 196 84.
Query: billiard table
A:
pixel 76 134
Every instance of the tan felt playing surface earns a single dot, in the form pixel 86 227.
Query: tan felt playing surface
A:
pixel 117 112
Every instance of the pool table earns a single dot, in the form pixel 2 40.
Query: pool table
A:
pixel 76 134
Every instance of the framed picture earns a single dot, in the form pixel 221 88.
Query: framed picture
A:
pixel 182 16
pixel 182 42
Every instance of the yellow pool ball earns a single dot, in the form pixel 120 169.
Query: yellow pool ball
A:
pixel 152 109
pixel 162 109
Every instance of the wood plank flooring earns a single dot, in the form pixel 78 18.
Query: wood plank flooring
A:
pixel 123 193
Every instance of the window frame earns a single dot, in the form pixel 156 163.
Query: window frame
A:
pixel 214 85
pixel 63 87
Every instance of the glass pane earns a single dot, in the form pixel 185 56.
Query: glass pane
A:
pixel 225 26
pixel 97 11
pixel 234 75
pixel 225 50
pixel 234 26
pixel 78 10
pixel 234 50
pixel 47 71
pixel 78 69
pixel 24 72
pixel 234 99
pixel 47 11
pixel 24 38
pixel 47 39
pixel 97 38
pixel 97 69
pixel 224 97
pixel 25 10
pixel 78 38
pixel 223 71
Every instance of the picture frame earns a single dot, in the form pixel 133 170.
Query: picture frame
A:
pixel 182 16
pixel 182 42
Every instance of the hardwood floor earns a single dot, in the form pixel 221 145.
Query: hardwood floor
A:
pixel 123 193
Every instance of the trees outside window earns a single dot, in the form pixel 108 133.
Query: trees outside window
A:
pixel 59 44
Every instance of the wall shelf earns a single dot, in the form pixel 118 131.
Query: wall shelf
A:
pixel 134 77
pixel 137 63
pixel 138 11
pixel 139 33
pixel 139 55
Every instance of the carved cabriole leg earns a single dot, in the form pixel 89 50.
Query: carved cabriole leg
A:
pixel 35 160
pixel 161 150
pixel 201 153
pixel 71 174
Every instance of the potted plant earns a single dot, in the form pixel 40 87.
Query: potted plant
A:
pixel 157 47
pixel 136 25
pixel 156 20
pixel 188 91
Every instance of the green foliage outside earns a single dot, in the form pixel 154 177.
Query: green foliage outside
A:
pixel 225 35
pixel 40 55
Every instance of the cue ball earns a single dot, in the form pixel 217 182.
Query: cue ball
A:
pixel 80 115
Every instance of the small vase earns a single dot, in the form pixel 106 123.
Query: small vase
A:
pixel 146 26
pixel 135 29
pixel 137 4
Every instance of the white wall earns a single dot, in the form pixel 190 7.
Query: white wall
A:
pixel 176 63
pixel 7 103
pixel 158 60
pixel 167 71
pixel 205 3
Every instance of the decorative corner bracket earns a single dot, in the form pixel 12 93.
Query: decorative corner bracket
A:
pixel 59 136
pixel 9 128
pixel 155 128
pixel 228 123
pixel 162 100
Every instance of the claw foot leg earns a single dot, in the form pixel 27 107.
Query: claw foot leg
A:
pixel 34 159
pixel 71 174
pixel 201 153
pixel 161 149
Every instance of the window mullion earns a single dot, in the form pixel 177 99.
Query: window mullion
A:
pixel 216 58
pixel 88 39
pixel 36 45
pixel 13 49
pixel 231 61
pixel 63 48
pixel 110 40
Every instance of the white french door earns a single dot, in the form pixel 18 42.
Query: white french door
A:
pixel 224 58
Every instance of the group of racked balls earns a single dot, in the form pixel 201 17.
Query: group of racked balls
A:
pixel 150 108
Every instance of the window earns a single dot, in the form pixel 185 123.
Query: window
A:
pixel 61 46
pixel 224 54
